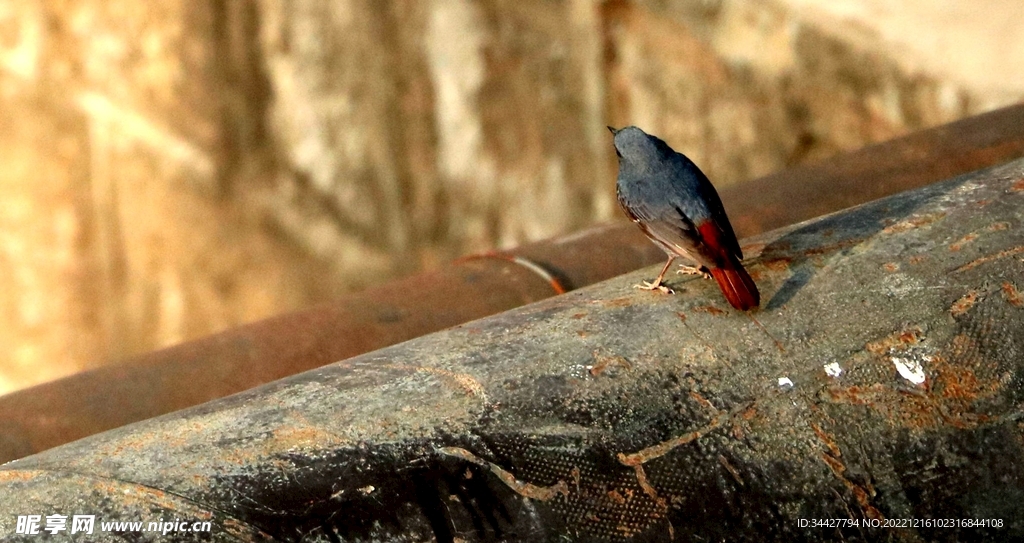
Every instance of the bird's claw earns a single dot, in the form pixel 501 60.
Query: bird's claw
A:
pixel 646 285
pixel 694 270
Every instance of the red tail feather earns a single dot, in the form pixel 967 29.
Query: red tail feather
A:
pixel 737 286
pixel 732 278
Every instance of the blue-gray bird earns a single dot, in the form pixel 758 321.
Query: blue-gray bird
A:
pixel 676 206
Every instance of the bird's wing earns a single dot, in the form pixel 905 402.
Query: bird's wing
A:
pixel 669 227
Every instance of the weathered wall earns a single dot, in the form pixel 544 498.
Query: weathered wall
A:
pixel 172 169
pixel 118 130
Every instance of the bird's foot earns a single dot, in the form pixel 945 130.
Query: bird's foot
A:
pixel 694 270
pixel 645 285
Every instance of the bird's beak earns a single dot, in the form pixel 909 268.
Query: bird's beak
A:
pixel 613 130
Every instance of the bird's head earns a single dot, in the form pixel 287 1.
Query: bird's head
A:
pixel 635 147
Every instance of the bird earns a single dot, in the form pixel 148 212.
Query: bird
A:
pixel 678 209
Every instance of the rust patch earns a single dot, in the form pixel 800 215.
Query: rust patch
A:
pixel 964 304
pixel 703 401
pixel 293 437
pixel 527 490
pixel 827 440
pixel 959 244
pixel 913 222
pixel 709 309
pixel 778 264
pixel 960 385
pixel 466 382
pixel 990 258
pixel 895 341
pixel 605 362
pixel 20 474
pixel 617 497
pixel 834 463
pixel 947 400
pixel 641 479
pixel 917 259
pixel 833 459
pixel 1018 186
pixel 661 449
pixel 861 494
pixel 617 302
pixel 1012 295
pixel 995 227
pixel 891 267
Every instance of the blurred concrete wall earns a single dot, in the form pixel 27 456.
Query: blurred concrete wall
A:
pixel 169 169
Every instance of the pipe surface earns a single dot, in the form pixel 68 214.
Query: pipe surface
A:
pixel 194 372
pixel 881 384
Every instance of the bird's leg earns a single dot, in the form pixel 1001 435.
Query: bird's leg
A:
pixel 694 270
pixel 656 285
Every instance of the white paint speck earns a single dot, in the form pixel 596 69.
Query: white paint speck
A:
pixel 785 382
pixel 833 369
pixel 910 369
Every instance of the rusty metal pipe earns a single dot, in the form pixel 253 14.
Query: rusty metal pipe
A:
pixel 876 171
pixel 153 384
pixel 880 383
